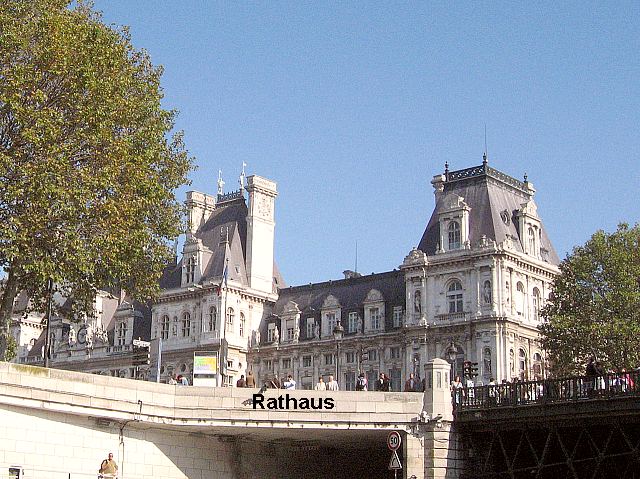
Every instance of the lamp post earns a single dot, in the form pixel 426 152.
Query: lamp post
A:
pixel 452 353
pixel 338 331
pixel 47 337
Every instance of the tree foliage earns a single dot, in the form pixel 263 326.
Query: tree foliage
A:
pixel 87 168
pixel 594 309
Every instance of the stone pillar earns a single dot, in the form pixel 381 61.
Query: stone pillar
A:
pixel 440 446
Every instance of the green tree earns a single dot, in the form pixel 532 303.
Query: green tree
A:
pixel 87 167
pixel 594 309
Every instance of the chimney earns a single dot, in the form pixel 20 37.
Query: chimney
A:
pixel 260 233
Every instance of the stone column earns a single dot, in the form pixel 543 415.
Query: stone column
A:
pixel 440 447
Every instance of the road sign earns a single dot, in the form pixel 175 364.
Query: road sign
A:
pixel 394 440
pixel 394 463
pixel 141 344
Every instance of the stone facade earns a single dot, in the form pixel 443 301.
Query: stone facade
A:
pixel 471 291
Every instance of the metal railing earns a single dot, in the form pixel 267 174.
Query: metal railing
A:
pixel 547 391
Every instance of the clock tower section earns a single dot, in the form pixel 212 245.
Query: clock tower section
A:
pixel 260 233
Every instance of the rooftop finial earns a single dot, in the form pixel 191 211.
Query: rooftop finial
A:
pixel 485 154
pixel 525 177
pixel 446 169
pixel 241 179
pixel 220 183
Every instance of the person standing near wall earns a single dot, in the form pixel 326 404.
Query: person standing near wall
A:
pixel 108 468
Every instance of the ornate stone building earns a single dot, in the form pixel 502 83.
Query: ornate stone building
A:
pixel 226 282
pixel 471 290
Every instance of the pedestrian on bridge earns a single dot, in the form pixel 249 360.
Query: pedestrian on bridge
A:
pixel 332 385
pixel 108 468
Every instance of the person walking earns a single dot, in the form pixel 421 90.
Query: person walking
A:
pixel 251 380
pixel 332 385
pixel 411 385
pixel 108 468
pixel 321 385
pixel 361 383
pixel 290 383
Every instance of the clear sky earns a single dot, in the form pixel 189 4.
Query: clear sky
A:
pixel 352 108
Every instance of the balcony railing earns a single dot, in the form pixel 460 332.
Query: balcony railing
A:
pixel 451 317
pixel 548 391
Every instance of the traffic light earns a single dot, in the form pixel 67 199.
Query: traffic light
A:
pixel 469 369
pixel 141 356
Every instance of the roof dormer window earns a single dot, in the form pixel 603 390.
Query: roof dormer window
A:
pixel 190 270
pixel 454 235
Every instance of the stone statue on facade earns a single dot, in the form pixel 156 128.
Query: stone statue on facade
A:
pixel 101 335
pixel 359 325
pixel 316 331
pixel 89 340
pixel 257 336
pixel 417 302
pixel 487 292
pixel 276 335
pixel 72 336
pixel 296 335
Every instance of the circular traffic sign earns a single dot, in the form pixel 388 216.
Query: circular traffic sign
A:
pixel 393 440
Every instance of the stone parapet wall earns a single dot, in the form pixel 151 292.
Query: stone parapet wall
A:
pixel 124 399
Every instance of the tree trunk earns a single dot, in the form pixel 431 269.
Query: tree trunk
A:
pixel 6 311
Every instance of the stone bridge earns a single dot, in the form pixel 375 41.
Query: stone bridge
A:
pixel 61 424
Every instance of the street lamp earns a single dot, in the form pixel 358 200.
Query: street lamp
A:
pixel 338 331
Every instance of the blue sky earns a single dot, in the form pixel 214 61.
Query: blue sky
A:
pixel 353 107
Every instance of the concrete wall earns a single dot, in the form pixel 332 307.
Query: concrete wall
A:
pixel 62 424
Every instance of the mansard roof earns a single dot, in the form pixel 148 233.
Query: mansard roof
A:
pixel 224 235
pixel 494 199
pixel 351 293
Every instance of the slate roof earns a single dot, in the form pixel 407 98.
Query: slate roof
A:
pixel 228 220
pixel 488 192
pixel 350 293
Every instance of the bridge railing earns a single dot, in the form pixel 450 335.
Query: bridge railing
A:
pixel 545 391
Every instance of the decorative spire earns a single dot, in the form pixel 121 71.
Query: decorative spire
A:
pixel 241 179
pixel 484 159
pixel 525 177
pixel 446 170
pixel 220 183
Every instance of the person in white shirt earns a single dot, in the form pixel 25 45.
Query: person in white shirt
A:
pixel 321 385
pixel 290 382
pixel 332 385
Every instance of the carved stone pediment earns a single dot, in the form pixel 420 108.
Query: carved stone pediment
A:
pixel 374 296
pixel 330 302
pixel 529 208
pixel 454 202
pixel 414 257
pixel 291 308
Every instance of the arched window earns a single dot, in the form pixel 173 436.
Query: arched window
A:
pixel 190 271
pixel 537 365
pixel 164 327
pixel 212 319
pixel 535 298
pixel 186 324
pixel 454 297
pixel 522 363
pixel 532 241
pixel 230 318
pixel 454 235
pixel 242 324
pixel 520 299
